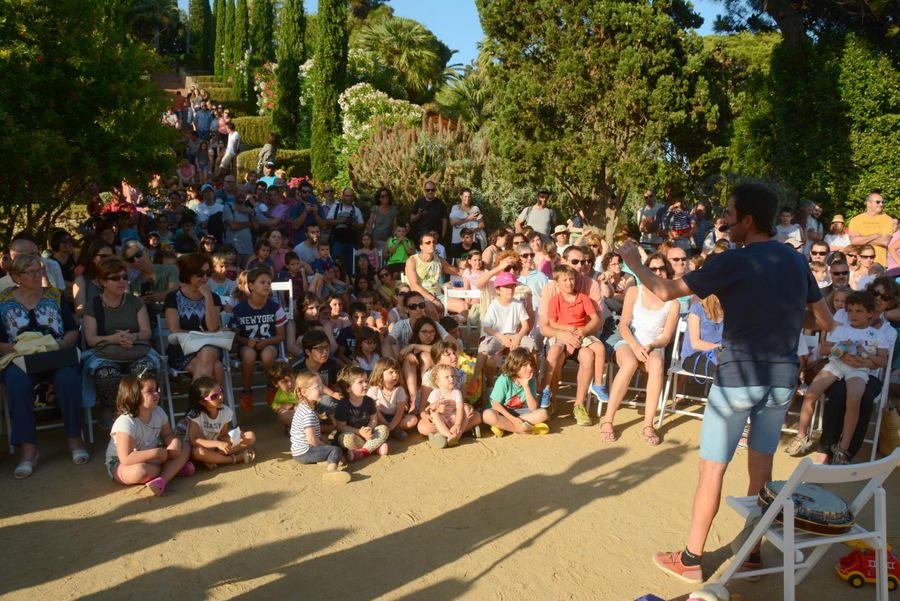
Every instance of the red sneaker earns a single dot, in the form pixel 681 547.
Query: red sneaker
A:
pixel 356 454
pixel 670 562
pixel 246 401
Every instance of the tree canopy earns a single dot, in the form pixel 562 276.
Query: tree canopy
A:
pixel 330 75
pixel 291 54
pixel 596 97
pixel 82 112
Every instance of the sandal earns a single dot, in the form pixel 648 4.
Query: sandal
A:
pixel 799 446
pixel 248 456
pixel 839 456
pixel 25 468
pixel 540 429
pixel 80 456
pixel 607 436
pixel 188 469
pixel 651 439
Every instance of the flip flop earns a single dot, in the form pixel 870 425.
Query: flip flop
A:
pixel 607 436
pixel 25 468
pixel 80 456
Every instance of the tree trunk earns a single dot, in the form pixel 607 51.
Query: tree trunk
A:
pixel 789 21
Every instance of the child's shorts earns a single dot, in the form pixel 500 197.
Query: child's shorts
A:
pixel 112 468
pixel 490 345
pixel 842 371
pixel 585 341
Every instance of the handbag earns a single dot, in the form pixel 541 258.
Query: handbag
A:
pixel 48 361
pixel 112 351
pixel 889 431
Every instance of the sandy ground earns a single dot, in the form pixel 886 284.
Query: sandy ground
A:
pixel 554 517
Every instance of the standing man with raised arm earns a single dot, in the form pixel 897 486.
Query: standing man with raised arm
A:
pixel 757 371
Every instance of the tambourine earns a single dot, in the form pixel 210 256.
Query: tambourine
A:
pixel 816 510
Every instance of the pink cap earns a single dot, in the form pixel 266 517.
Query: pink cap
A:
pixel 505 278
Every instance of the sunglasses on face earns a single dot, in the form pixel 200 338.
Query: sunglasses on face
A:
pixel 852 256
pixel 136 256
pixel 427 242
pixel 594 245
pixel 204 274
pixel 383 274
pixel 678 259
pixel 577 262
pixel 117 277
pixel 659 269
pixel 817 253
pixel 415 306
pixel 214 396
pixel 430 189
pixel 527 255
pixel 837 274
pixel 867 257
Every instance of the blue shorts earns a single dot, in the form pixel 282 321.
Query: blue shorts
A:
pixel 726 414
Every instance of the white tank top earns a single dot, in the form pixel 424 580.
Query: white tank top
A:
pixel 647 324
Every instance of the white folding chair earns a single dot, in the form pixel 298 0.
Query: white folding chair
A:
pixel 675 370
pixel 169 373
pixel 881 402
pixel 794 544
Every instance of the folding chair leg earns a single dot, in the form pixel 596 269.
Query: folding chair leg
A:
pixel 788 550
pixel 89 418
pixel 167 384
pixel 663 400
pixel 881 563
pixel 880 412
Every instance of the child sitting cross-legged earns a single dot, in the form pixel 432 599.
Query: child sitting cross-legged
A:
pixel 390 398
pixel 447 416
pixel 209 421
pixel 514 402
pixel 307 444
pixel 357 417
pixel 134 454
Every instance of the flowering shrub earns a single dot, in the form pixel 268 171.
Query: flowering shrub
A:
pixel 266 88
pixel 296 181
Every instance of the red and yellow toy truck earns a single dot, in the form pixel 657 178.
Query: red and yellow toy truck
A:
pixel 858 567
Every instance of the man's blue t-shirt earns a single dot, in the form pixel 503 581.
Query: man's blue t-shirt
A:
pixel 764 288
pixel 296 210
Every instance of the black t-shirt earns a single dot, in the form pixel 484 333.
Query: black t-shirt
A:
pixel 328 372
pixel 435 213
pixel 457 250
pixel 346 339
pixel 764 289
pixel 353 416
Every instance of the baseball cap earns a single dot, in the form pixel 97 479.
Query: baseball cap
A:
pixel 505 278
pixel 206 187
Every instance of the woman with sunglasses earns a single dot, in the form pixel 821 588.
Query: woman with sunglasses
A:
pixel 645 329
pixel 867 270
pixel 116 326
pixel 86 287
pixel 193 306
pixel 886 293
pixel 29 307
pixel 382 219
pixel 147 280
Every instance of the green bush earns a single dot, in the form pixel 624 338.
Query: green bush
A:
pixel 241 108
pixel 294 162
pixel 254 130
pixel 223 95
pixel 206 80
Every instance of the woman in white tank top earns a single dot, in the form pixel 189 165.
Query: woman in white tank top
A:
pixel 646 327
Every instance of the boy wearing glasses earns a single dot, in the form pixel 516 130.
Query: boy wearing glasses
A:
pixel 316 347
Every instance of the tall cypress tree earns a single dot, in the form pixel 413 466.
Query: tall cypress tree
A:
pixel 228 64
pixel 291 54
pixel 262 31
pixel 243 84
pixel 197 31
pixel 330 74
pixel 209 37
pixel 219 54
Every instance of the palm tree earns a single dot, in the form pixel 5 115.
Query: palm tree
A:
pixel 151 18
pixel 465 97
pixel 411 49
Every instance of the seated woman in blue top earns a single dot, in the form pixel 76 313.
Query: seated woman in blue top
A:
pixel 699 351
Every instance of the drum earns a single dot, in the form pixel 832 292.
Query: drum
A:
pixel 816 510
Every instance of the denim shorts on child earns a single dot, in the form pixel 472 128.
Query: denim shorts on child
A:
pixel 726 414
pixel 842 371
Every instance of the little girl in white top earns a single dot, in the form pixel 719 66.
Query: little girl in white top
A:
pixel 391 402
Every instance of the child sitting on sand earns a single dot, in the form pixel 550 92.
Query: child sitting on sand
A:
pixel 447 416
pixel 514 404
pixel 390 398
pixel 208 423
pixel 281 378
pixel 134 455
pixel 307 444
pixel 357 418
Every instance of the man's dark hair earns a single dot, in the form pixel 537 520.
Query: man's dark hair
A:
pixel 759 202
pixel 358 307
pixel 409 295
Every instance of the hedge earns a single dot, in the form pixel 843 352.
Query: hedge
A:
pixel 294 162
pixel 254 130
pixel 221 94
pixel 207 80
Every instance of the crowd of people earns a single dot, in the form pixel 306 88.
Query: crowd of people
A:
pixel 369 347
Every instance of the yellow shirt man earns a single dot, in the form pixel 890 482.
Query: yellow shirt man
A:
pixel 873 227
